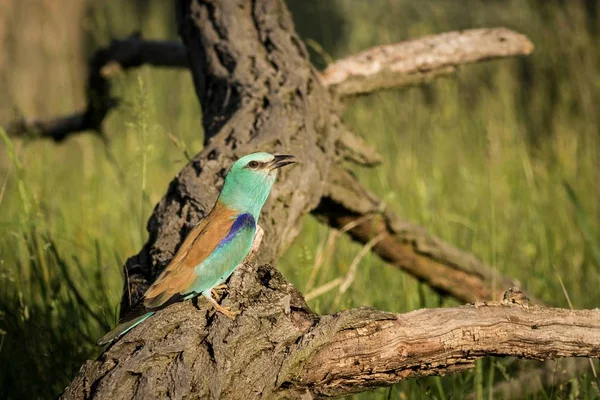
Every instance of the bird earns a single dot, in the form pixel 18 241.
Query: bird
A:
pixel 216 246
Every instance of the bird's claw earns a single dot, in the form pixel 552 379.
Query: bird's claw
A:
pixel 216 291
pixel 219 308
pixel 226 311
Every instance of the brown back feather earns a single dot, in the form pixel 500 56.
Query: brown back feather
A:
pixel 180 274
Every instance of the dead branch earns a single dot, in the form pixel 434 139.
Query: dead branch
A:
pixel 416 61
pixel 120 54
pixel 278 348
pixel 366 348
pixel 56 129
pixel 445 268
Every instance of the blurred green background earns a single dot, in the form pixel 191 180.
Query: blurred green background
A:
pixel 501 160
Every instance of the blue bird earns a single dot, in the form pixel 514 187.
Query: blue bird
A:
pixel 216 245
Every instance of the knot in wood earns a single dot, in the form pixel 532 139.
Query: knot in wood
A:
pixel 515 295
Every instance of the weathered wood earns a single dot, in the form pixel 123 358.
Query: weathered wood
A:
pixel 362 348
pixel 420 60
pixel 278 348
pixel 445 268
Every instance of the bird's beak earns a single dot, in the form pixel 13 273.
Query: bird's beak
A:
pixel 282 160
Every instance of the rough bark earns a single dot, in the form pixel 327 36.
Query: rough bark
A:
pixel 420 60
pixel 278 348
pixel 258 92
pixel 365 349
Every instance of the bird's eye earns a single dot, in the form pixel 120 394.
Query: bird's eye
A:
pixel 253 164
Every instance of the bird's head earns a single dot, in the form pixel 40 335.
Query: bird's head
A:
pixel 249 181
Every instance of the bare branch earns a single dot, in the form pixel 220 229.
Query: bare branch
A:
pixel 404 245
pixel 363 348
pixel 56 129
pixel 355 149
pixel 121 54
pixel 416 61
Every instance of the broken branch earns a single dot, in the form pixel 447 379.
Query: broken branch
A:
pixel 417 61
pixel 411 248
pixel 121 54
pixel 363 348
pixel 383 67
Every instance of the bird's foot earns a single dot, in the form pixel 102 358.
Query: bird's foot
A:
pixel 217 290
pixel 222 309
pixel 226 311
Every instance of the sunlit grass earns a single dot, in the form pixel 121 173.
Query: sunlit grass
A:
pixel 498 164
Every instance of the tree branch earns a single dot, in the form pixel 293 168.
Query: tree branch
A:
pixel 121 54
pixel 416 61
pixel 409 247
pixel 359 349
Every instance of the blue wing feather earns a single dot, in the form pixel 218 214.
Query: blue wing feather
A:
pixel 243 221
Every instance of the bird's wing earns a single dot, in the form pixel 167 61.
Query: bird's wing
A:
pixel 230 253
pixel 178 277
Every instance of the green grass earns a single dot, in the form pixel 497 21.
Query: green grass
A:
pixel 502 160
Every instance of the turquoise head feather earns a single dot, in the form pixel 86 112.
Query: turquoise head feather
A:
pixel 249 181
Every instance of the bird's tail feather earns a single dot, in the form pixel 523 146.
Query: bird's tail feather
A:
pixel 123 328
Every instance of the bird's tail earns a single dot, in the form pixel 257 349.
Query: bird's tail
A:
pixel 123 328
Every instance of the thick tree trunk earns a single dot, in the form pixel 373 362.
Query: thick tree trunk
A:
pixel 259 92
